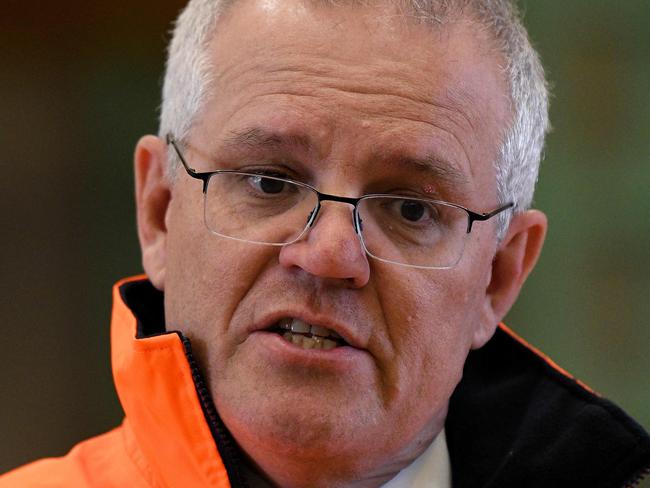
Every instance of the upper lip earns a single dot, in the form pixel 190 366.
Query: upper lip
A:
pixel 349 334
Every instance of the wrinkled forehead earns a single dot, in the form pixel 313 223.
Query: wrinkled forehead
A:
pixel 266 29
pixel 371 63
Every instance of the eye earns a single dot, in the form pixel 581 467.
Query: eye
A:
pixel 267 185
pixel 412 210
pixel 416 211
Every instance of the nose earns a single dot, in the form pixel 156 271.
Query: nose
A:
pixel 331 248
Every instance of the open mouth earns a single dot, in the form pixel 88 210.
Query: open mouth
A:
pixel 306 335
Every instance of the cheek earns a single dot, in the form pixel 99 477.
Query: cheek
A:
pixel 431 306
pixel 205 280
pixel 429 327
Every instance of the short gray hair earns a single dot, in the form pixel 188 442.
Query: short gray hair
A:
pixel 189 74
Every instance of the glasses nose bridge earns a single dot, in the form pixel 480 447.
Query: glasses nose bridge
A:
pixel 325 197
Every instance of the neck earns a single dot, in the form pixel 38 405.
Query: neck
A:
pixel 271 464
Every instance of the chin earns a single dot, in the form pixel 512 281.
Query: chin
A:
pixel 300 425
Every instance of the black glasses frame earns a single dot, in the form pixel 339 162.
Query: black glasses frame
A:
pixel 323 197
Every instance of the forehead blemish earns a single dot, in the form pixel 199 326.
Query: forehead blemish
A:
pixel 365 124
pixel 429 189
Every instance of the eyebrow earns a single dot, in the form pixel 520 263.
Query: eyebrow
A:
pixel 259 138
pixel 441 170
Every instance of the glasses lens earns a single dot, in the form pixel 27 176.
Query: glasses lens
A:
pixel 414 232
pixel 256 208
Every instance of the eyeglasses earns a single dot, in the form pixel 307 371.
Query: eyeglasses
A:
pixel 265 209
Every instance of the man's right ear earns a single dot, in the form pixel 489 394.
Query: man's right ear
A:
pixel 152 196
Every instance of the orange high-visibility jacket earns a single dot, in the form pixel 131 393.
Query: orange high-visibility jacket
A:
pixel 164 441
pixel 515 420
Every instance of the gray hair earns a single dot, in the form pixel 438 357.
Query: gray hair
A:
pixel 189 74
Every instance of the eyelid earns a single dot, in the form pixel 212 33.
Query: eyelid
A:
pixel 269 169
pixel 411 193
pixel 265 172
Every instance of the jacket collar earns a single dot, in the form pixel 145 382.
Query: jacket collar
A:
pixel 515 419
pixel 173 443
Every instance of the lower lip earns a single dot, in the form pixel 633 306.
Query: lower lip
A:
pixel 277 349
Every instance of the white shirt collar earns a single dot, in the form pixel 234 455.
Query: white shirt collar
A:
pixel 432 469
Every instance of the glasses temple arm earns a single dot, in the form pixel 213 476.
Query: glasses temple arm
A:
pixel 191 171
pixel 473 216
pixel 491 214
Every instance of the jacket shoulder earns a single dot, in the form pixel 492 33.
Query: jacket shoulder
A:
pixel 101 461
pixel 517 419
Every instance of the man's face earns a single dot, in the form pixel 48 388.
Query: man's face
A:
pixel 343 99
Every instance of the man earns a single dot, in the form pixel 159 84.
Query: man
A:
pixel 334 219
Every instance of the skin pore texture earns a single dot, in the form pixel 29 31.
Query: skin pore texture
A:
pixel 342 98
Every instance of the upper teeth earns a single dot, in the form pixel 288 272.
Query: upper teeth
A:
pixel 300 327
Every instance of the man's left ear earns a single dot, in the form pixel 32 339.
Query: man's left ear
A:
pixel 153 196
pixel 514 260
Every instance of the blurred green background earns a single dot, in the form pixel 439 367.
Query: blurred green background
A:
pixel 80 83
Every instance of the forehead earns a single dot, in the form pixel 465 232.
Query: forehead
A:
pixel 327 74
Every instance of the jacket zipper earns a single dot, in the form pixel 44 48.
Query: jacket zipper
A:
pixel 226 446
